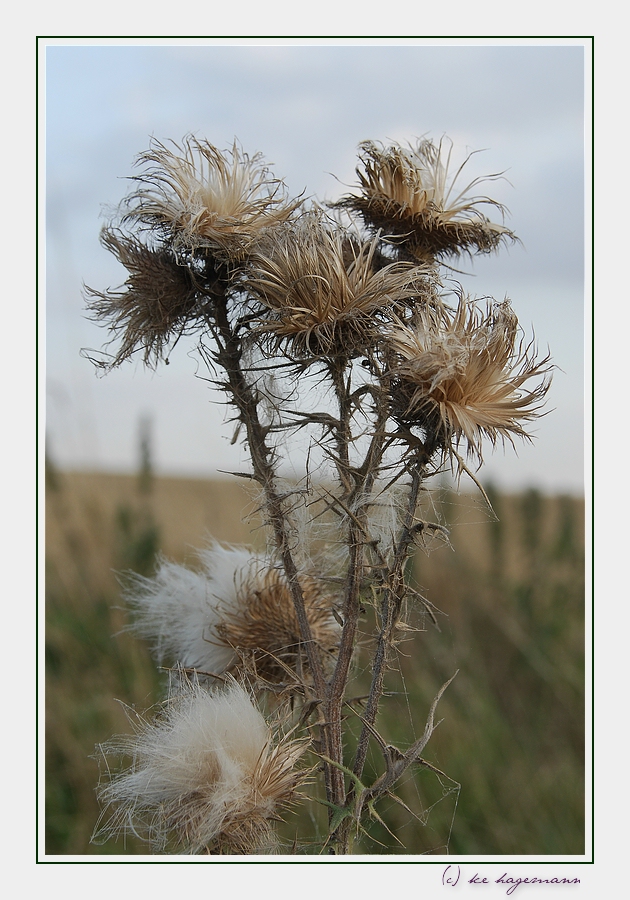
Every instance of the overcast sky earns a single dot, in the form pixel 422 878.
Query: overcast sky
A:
pixel 307 108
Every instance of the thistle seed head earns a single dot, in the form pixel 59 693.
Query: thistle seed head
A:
pixel 158 302
pixel 461 374
pixel 202 197
pixel 207 775
pixel 323 292
pixel 408 192
pixel 238 610
pixel 265 627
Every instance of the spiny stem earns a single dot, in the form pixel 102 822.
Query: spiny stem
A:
pixel 357 485
pixel 228 356
pixel 390 611
pixel 393 599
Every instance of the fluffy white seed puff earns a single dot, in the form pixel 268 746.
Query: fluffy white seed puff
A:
pixel 207 775
pixel 179 609
pixel 239 604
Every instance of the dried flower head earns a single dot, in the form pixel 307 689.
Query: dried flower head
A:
pixel 324 291
pixel 202 197
pixel 266 626
pixel 207 775
pixel 160 300
pixel 237 609
pixel 408 192
pixel 461 374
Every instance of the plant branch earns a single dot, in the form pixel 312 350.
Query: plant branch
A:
pixel 397 762
pixel 357 484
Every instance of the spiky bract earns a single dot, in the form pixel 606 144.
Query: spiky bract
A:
pixel 460 374
pixel 202 197
pixel 323 291
pixel 408 193
pixel 238 610
pixel 207 775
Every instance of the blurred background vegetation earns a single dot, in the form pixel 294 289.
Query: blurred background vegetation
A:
pixel 508 757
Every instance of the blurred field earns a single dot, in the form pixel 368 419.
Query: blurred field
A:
pixel 511 595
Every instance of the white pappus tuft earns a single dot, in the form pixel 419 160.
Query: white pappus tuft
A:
pixel 178 609
pixel 207 775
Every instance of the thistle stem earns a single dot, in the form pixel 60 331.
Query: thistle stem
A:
pixel 229 357
pixel 357 485
pixel 390 613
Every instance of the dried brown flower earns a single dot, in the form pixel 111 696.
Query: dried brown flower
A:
pixel 160 300
pixel 461 374
pixel 324 292
pixel 205 198
pixel 407 192
pixel 265 628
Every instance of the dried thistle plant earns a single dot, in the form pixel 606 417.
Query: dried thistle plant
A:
pixel 213 245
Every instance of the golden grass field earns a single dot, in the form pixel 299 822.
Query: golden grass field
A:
pixel 511 596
